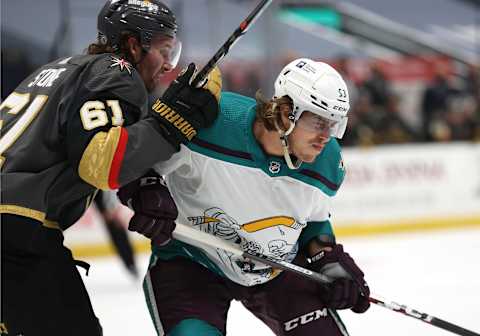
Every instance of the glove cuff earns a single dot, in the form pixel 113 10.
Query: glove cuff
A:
pixel 324 240
pixel 173 121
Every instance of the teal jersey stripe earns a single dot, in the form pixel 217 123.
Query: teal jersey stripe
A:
pixel 327 171
pixel 230 137
pixel 222 153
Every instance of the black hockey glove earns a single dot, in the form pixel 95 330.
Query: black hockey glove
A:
pixel 154 207
pixel 349 289
pixel 184 109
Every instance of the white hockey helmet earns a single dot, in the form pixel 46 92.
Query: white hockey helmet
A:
pixel 315 87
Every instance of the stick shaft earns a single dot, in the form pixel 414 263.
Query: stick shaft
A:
pixel 286 266
pixel 195 237
pixel 236 35
pixel 435 321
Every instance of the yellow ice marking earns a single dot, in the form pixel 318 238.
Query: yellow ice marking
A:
pixel 267 223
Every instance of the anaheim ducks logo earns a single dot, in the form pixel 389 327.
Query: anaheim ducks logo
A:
pixel 121 63
pixel 216 222
pixel 277 244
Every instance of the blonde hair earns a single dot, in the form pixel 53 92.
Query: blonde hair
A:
pixel 269 111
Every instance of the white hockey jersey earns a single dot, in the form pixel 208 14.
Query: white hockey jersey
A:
pixel 224 184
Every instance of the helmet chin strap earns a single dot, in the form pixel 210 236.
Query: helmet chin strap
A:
pixel 284 140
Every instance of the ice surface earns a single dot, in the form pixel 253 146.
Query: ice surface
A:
pixel 435 272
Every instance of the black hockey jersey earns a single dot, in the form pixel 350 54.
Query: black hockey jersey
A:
pixel 74 126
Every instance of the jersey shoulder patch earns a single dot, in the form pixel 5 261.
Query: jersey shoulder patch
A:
pixel 112 74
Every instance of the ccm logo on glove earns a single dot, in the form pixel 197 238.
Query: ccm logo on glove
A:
pixel 175 119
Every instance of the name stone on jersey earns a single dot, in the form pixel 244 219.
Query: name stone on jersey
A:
pixel 46 77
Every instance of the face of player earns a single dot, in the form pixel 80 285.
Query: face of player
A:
pixel 310 135
pixel 158 60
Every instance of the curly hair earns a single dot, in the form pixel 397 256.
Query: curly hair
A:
pixel 269 112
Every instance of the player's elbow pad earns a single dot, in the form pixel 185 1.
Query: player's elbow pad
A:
pixel 101 161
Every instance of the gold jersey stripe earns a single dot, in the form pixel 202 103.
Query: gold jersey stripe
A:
pixel 30 213
pixel 97 158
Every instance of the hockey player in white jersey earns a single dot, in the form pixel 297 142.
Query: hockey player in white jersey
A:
pixel 262 177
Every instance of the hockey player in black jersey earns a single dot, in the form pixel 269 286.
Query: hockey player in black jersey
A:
pixel 74 126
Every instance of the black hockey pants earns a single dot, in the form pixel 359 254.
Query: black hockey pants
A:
pixel 42 291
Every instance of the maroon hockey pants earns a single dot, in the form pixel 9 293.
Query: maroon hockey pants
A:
pixel 180 289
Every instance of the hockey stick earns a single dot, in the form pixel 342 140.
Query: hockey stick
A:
pixel 237 34
pixel 195 237
pixel 435 321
